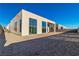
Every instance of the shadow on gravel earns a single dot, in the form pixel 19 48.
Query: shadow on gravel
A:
pixel 42 47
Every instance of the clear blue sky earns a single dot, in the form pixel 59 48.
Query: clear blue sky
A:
pixel 65 14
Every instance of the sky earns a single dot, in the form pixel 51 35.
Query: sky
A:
pixel 62 13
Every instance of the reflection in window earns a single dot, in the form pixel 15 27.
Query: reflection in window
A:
pixel 15 26
pixel 32 26
pixel 43 27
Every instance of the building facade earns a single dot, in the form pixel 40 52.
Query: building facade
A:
pixel 59 28
pixel 26 23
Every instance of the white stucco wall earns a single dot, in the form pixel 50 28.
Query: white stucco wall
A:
pixel 15 19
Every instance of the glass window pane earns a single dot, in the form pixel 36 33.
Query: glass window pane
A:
pixel 43 27
pixel 32 26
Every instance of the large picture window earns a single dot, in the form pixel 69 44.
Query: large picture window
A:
pixel 43 27
pixel 32 26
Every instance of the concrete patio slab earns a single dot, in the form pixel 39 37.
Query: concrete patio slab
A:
pixel 13 38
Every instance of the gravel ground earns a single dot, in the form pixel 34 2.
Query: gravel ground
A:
pixel 48 46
